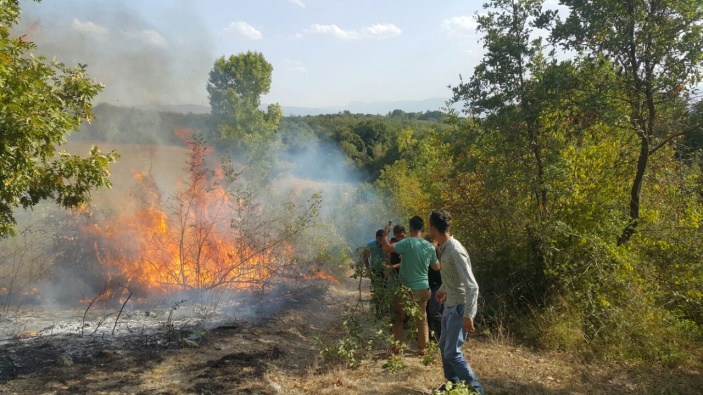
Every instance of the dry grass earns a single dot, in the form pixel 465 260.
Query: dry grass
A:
pixel 502 366
pixel 279 358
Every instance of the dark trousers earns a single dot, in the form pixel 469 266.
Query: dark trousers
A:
pixel 434 316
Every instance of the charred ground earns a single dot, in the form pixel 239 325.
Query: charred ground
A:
pixel 275 353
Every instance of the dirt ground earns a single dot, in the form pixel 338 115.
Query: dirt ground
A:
pixel 275 354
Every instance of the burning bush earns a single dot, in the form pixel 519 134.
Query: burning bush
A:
pixel 214 232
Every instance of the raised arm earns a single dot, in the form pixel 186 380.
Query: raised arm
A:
pixel 385 244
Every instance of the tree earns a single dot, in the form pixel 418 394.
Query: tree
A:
pixel 235 88
pixel 41 104
pixel 657 48
pixel 501 87
pixel 507 96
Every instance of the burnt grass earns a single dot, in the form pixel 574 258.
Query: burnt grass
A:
pixel 41 355
pixel 274 352
pixel 232 358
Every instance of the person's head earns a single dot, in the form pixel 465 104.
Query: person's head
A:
pixel 416 224
pixel 380 234
pixel 399 232
pixel 440 220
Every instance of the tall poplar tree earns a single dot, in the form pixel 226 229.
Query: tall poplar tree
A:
pixel 235 88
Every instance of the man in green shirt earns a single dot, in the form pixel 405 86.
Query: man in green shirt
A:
pixel 417 255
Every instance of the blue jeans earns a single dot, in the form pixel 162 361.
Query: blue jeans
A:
pixel 456 368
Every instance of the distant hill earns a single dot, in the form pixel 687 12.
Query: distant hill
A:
pixel 375 108
pixel 381 108
pixel 181 108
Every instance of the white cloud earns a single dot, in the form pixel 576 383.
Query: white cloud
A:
pixel 379 30
pixel 382 30
pixel 459 26
pixel 295 65
pixel 299 3
pixel 87 27
pixel 154 38
pixel 244 30
pixel 151 37
pixel 331 30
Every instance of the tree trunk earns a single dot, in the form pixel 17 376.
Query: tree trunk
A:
pixel 635 192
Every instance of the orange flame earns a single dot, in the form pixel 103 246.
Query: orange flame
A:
pixel 198 238
pixel 182 242
pixel 319 274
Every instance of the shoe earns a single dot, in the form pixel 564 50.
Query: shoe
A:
pixel 442 388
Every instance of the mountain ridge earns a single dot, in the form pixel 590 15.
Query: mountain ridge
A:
pixel 357 107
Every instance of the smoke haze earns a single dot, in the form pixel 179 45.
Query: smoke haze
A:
pixel 139 64
pixel 145 65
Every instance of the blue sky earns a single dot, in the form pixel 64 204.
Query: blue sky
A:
pixel 324 52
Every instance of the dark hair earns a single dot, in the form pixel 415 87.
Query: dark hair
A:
pixel 398 229
pixel 441 220
pixel 380 233
pixel 417 223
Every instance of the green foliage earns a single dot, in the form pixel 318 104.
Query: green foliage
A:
pixel 369 142
pixel 539 181
pixel 357 342
pixel 432 353
pixel 417 177
pixel 364 330
pixel 655 47
pixel 41 103
pixel 394 363
pixel 235 87
pixel 455 389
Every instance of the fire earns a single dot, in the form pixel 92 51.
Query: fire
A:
pixel 204 233
pixel 319 274
pixel 193 239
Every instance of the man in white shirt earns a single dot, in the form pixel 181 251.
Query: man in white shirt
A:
pixel 459 292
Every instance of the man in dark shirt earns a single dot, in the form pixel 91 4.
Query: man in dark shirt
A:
pixel 434 307
pixel 394 257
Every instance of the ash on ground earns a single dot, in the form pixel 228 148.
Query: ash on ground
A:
pixel 33 338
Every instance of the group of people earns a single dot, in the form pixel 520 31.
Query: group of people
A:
pixel 437 270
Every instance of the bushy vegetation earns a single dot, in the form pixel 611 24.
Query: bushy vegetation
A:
pixel 571 184
pixel 365 327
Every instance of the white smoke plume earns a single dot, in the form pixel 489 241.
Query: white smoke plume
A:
pixel 139 63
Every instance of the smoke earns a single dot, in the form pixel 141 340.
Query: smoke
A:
pixel 146 65
pixel 351 209
pixel 139 63
pixel 320 162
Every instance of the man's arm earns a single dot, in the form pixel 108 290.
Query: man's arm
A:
pixel 469 283
pixel 434 262
pixel 385 245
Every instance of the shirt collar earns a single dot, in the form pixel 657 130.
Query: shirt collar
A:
pixel 441 248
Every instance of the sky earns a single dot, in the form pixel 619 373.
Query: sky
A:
pixel 324 52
